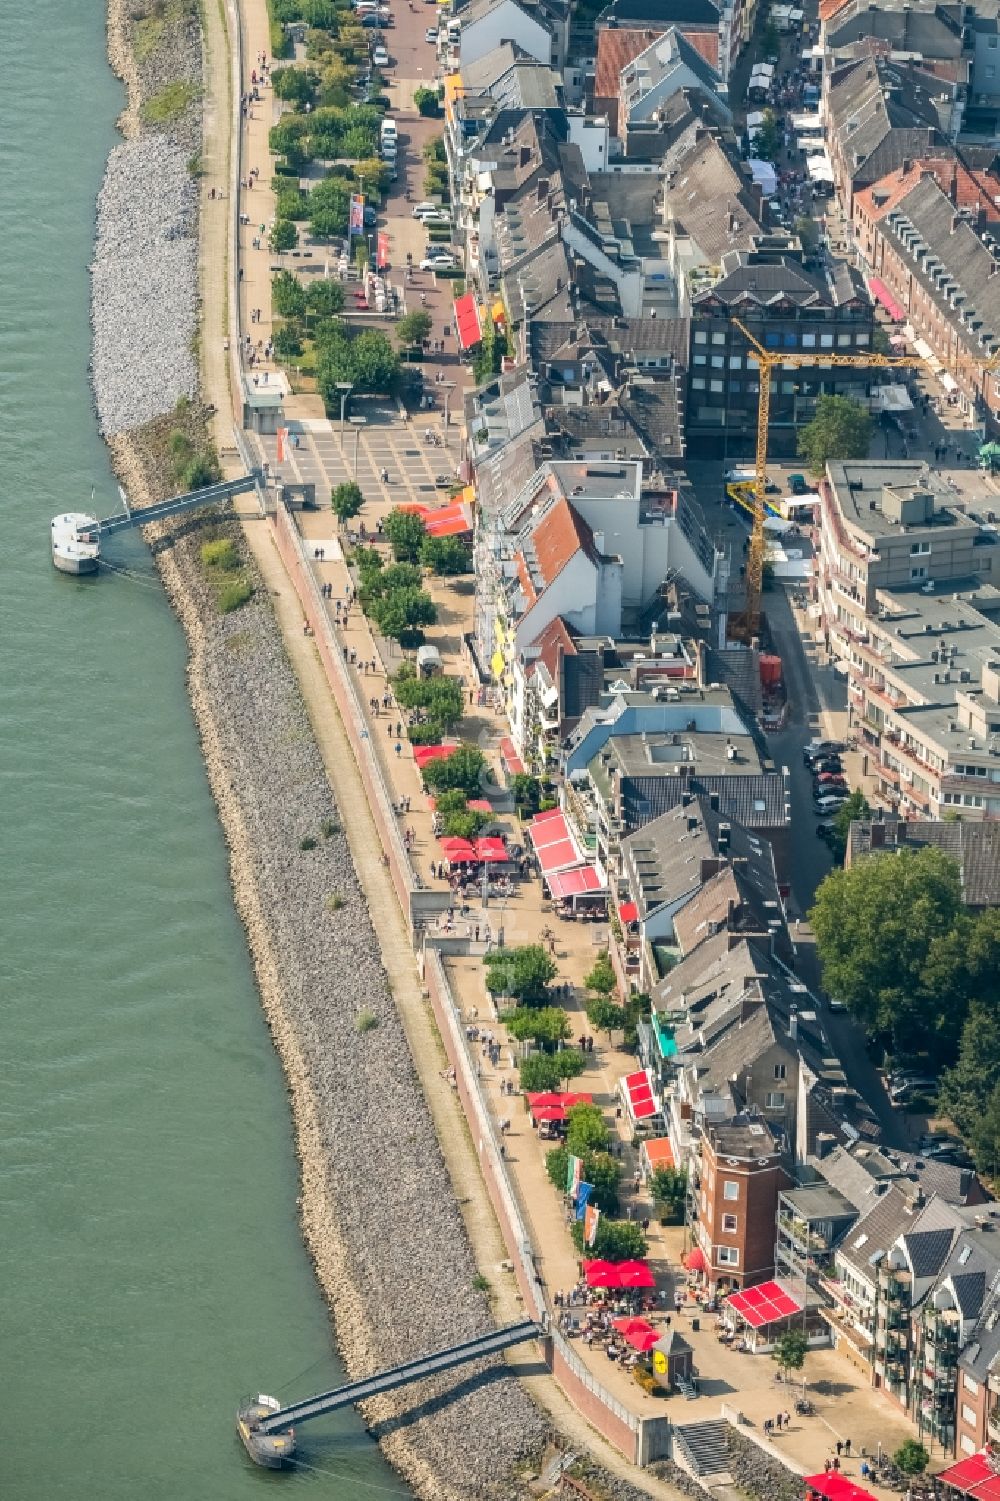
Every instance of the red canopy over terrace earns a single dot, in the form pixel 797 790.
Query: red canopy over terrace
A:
pixel 881 294
pixel 695 1260
pixel 463 846
pixel 491 850
pixel 467 321
pixel 425 754
pixel 475 804
pixel 764 1304
pixel 452 520
pixel 511 759
pixel 639 1095
pixel 640 1334
pixel 554 846
pixel 618 1274
pixel 550 1100
pixel 837 1487
pixel 974 1477
pixel 628 912
pixel 575 882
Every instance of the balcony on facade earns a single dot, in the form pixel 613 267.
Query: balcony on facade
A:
pixel 993 1423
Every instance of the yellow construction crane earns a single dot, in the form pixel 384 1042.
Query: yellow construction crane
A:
pixel 747 625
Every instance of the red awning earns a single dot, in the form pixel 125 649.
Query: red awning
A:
pixel 425 754
pixel 639 1333
pixel 836 1487
pixel 553 844
pixel 456 846
pixel 511 759
pixel 575 882
pixel 549 1099
pixel 881 294
pixel 974 1477
pixel 635 1274
pixel 618 1274
pixel 628 912
pixel 467 321
pixel 764 1304
pixel 639 1093
pixel 695 1260
pixel 491 850
pixel 454 520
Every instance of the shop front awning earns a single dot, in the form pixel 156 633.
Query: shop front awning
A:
pixel 491 850
pixel 881 293
pixel 628 912
pixel 425 754
pixel 638 1093
pixel 764 1304
pixel 974 1477
pixel 467 323
pixel 836 1487
pixel 579 881
pixel 508 753
pixel 554 846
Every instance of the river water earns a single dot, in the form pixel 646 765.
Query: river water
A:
pixel 151 1270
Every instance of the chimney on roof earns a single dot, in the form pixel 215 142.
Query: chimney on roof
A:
pixel 542 190
pixel 878 836
pixel 525 155
pixel 713 801
pixel 907 166
pixel 793 1024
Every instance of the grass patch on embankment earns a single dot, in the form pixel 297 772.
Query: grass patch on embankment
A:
pixel 223 565
pixel 170 103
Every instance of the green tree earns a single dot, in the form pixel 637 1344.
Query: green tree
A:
pixel 324 299
pixel 464 768
pixel 445 556
pixel 570 1064
pixel 967 1087
pixel 586 1130
pixel 288 296
pixel 284 236
pixel 374 362
pixel 346 500
pixel 669 1189
pixel 841 429
pixel 616 1240
pixel 808 232
pixel 602 979
pixel 434 150
pixel 855 809
pixel 329 208
pixel 426 101
pixel 545 1026
pixel 468 824
pixel 524 973
pixel 540 1074
pixel 985 1137
pixel 294 85
pixel 406 533
pixel 373 175
pixel 527 792
pixel 911 1457
pixel 770 41
pixel 287 340
pixel 443 700
pixel 605 1015
pixel 790 1351
pixel 413 328
pixel 875 924
pixel 599 1169
pixel 401 615
pixel 766 143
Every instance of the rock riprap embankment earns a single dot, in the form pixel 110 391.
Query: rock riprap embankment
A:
pixel 144 285
pixel 379 1207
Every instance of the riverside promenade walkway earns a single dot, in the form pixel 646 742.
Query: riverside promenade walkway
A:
pixel 523 920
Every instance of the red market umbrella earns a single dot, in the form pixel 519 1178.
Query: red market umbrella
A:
pixel 548 1113
pixel 639 1332
pixel 490 850
pixel 462 846
pixel 635 1274
pixel 463 857
pixel 601 1274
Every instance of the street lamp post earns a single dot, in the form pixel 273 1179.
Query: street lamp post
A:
pixel 447 387
pixel 357 423
pixel 345 387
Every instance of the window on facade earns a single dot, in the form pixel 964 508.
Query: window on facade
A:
pixel 772 339
pixel 729 1224
pixel 808 341
pixel 843 341
pixel 780 1071
pixel 968 1415
pixel 727 1255
pixel 715 385
pixel 718 362
pixel 701 359
pixel 735 387
pixel 919 548
pixel 736 362
pixel 697 385
pixel 918 573
pixel 774 1100
pixel 718 338
pixel 730 1189
pixel 826 341
pixel 790 340
pixel 970 1383
pixel 788 388
pixel 700 337
pixel 968 1445
pixel 862 339
pixel 990 70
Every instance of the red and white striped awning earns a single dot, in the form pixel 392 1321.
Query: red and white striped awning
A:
pixel 553 843
pixel 575 882
pixel 638 1093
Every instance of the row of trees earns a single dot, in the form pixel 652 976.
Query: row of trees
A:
pixel 442 701
pixel 411 543
pixel 393 599
pixel 922 976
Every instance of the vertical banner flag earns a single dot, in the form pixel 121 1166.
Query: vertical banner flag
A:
pixel 574 1172
pixel 282 444
pixel 356 222
pixel 382 250
pixel 591 1219
pixel 583 1193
